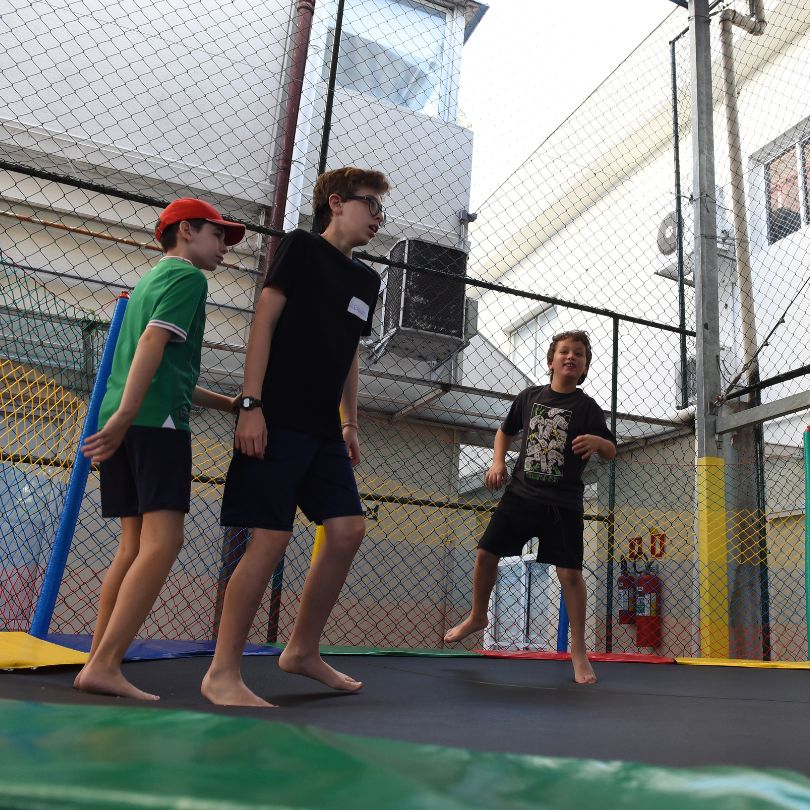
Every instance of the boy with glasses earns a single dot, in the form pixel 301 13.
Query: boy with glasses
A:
pixel 291 447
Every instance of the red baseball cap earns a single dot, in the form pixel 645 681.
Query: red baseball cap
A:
pixel 190 208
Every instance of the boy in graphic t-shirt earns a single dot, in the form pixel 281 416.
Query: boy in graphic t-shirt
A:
pixel 296 438
pixel 144 442
pixel 562 428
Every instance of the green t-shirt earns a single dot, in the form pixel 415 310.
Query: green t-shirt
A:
pixel 171 295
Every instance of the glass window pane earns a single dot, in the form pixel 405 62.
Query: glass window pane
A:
pixel 784 208
pixel 392 50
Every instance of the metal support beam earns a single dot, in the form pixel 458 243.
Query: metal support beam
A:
pixel 762 413
pixel 703 196
pixel 425 399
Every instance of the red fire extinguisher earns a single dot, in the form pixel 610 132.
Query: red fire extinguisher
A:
pixel 626 585
pixel 648 608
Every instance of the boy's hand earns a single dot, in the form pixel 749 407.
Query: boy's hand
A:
pixel 251 433
pixel 496 475
pixel 586 445
pixel 100 446
pixel 352 444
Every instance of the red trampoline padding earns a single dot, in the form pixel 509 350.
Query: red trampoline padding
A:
pixel 627 658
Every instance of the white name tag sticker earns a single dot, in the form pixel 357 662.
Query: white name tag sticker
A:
pixel 359 308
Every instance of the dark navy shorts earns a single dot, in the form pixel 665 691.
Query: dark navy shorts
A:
pixel 515 521
pixel 298 470
pixel 149 472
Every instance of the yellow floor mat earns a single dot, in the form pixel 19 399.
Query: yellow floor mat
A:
pixel 742 662
pixel 22 651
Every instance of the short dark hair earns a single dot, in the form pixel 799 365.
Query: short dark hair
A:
pixel 168 239
pixel 571 334
pixel 343 182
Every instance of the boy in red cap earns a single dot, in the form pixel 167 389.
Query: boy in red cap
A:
pixel 144 442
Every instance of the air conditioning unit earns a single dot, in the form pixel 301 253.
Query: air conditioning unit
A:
pixel 424 316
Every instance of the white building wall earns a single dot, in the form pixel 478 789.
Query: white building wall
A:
pixel 426 157
pixel 606 255
pixel 164 90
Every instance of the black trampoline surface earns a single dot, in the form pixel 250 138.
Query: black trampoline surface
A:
pixel 673 715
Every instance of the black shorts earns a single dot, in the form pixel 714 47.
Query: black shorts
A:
pixel 149 472
pixel 516 520
pixel 298 470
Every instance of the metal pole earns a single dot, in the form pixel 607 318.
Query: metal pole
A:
pixel 330 90
pixel 234 543
pixel 289 123
pixel 762 541
pixel 274 611
pixel 712 571
pixel 611 521
pixel 676 148
pixel 49 592
pixel 807 536
pixel 706 287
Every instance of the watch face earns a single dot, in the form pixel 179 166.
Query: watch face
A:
pixel 246 402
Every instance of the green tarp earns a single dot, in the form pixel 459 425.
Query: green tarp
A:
pixel 74 757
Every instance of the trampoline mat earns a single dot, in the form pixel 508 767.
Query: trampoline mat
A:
pixel 663 715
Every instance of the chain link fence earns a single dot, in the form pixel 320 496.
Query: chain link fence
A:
pixel 109 111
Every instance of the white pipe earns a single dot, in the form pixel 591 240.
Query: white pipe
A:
pixel 753 25
pixel 685 415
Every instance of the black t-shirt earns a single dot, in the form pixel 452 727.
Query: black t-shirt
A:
pixel 547 469
pixel 330 304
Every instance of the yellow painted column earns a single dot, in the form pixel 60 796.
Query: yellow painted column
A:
pixel 712 557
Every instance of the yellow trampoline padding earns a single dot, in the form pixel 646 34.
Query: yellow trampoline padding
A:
pixel 743 662
pixel 21 651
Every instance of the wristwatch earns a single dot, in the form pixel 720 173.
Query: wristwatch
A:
pixel 249 403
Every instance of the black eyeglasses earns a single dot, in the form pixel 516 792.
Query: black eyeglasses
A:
pixel 375 207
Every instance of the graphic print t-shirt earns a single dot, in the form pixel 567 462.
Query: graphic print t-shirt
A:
pixel 547 469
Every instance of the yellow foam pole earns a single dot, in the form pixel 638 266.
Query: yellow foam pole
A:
pixel 712 557
pixel 320 536
pixel 320 532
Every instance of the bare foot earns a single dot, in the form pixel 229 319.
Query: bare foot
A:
pixel 229 691
pixel 315 667
pixel 583 671
pixel 461 631
pixel 78 679
pixel 102 682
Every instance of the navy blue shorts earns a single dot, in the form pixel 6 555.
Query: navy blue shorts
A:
pixel 149 472
pixel 515 521
pixel 298 470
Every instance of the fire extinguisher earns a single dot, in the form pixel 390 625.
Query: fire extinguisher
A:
pixel 648 608
pixel 626 585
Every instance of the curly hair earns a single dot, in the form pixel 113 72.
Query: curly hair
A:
pixel 572 334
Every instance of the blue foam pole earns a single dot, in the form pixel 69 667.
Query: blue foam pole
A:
pixel 562 627
pixel 49 591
